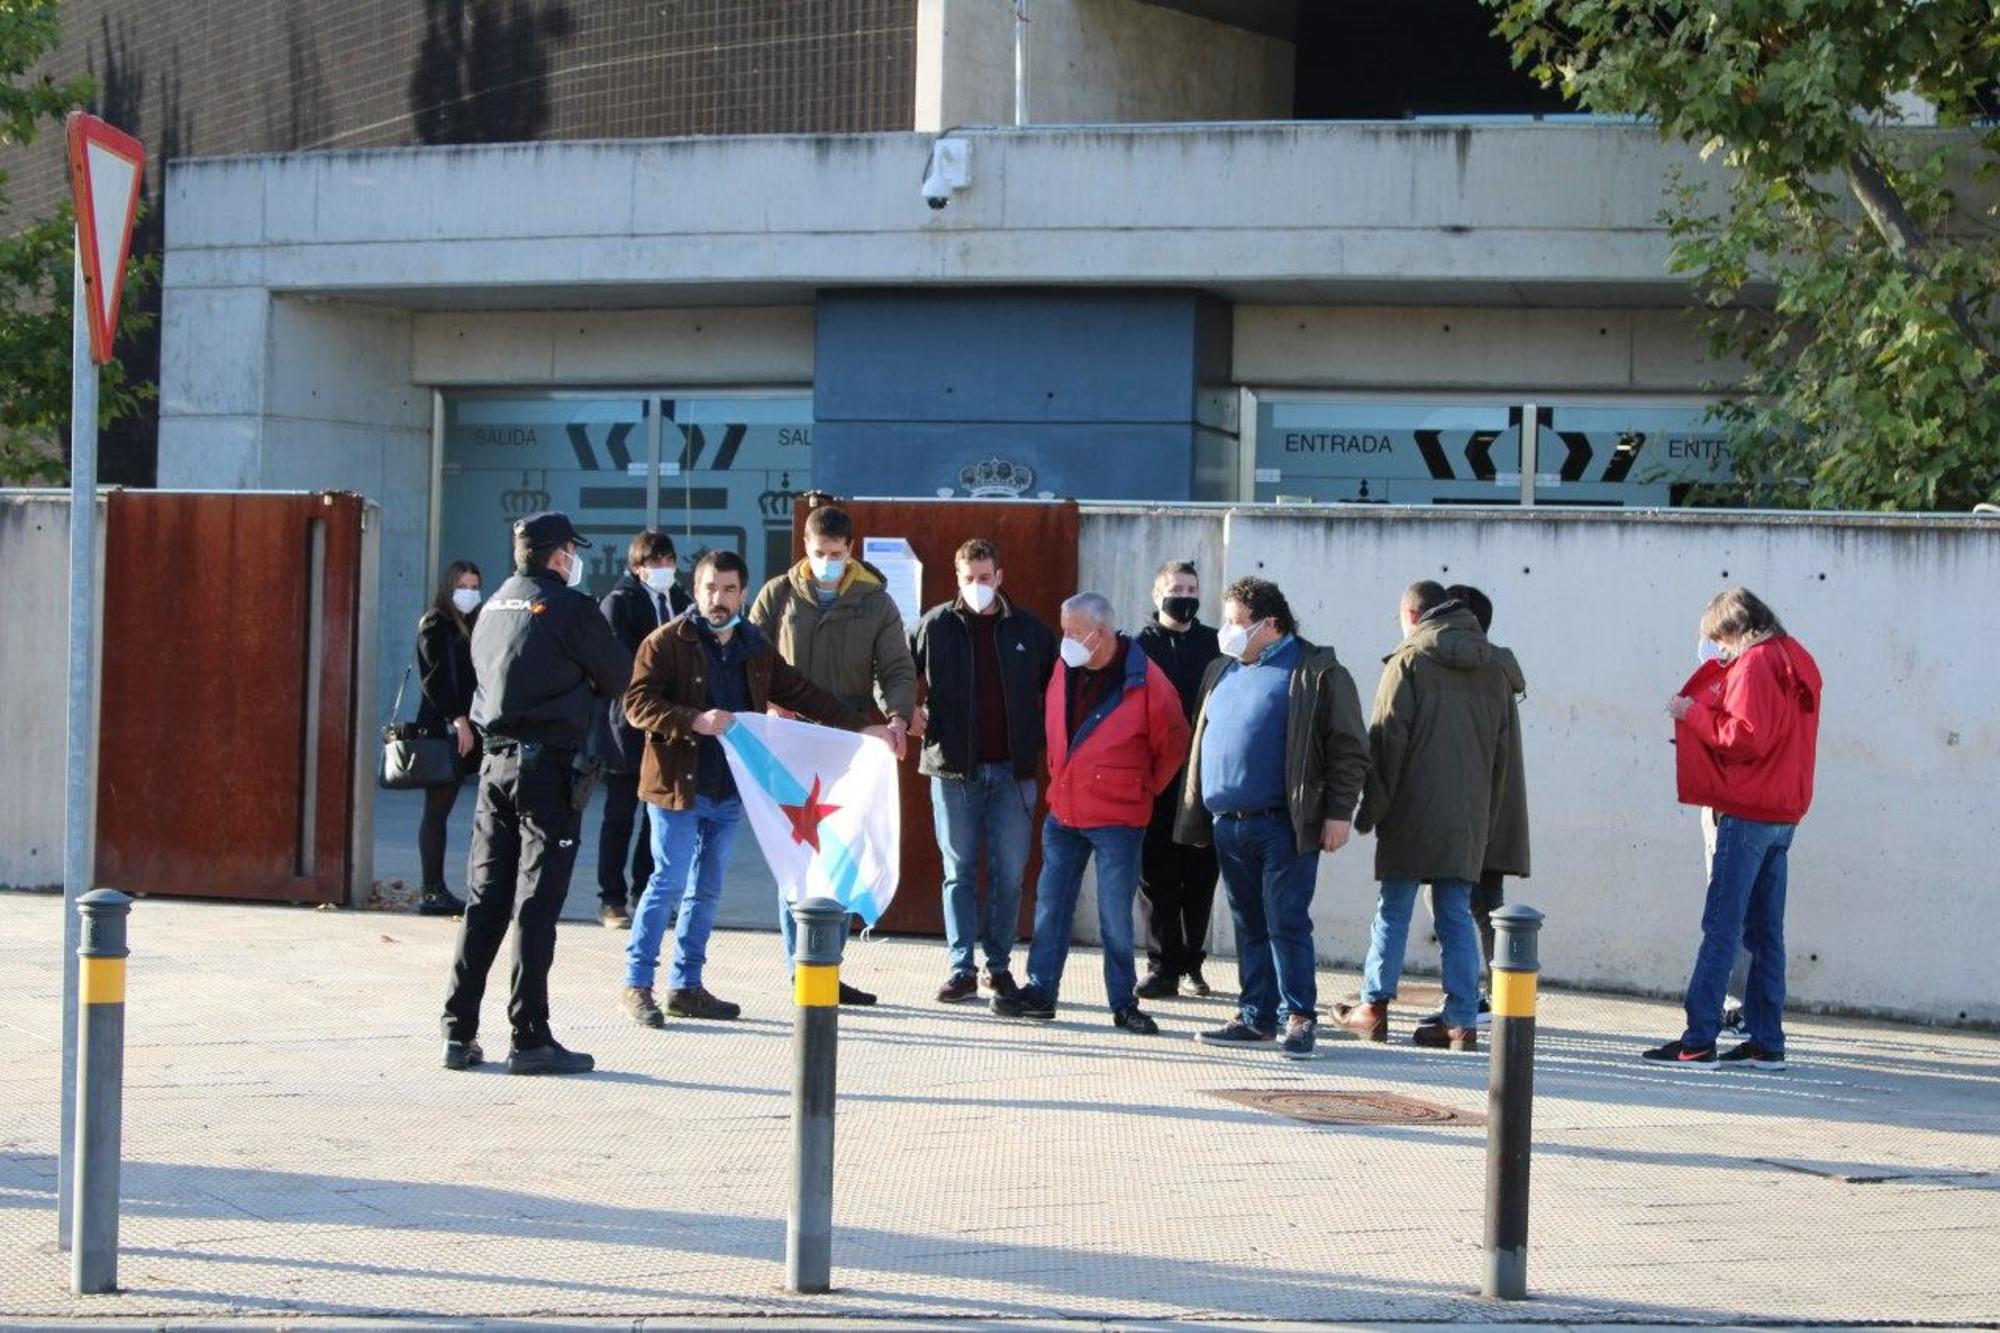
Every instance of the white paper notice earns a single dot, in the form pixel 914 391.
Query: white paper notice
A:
pixel 901 569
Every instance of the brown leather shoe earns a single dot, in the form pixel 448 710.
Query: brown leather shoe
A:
pixel 958 988
pixel 1367 1021
pixel 1441 1038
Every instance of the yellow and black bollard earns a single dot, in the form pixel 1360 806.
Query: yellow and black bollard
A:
pixel 816 988
pixel 100 1092
pixel 1510 1101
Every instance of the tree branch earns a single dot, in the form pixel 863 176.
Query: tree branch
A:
pixel 1877 196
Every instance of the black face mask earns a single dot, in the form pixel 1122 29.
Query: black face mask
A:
pixel 1181 610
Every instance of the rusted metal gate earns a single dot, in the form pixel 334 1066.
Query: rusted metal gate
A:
pixel 1038 552
pixel 229 709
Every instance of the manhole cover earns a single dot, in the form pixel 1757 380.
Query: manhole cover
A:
pixel 1348 1108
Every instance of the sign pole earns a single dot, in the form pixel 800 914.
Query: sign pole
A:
pixel 80 799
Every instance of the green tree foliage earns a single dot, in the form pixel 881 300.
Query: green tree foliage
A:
pixel 35 269
pixel 1851 261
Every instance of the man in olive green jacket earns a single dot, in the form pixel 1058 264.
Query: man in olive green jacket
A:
pixel 1439 739
pixel 832 619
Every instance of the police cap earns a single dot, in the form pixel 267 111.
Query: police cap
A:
pixel 549 528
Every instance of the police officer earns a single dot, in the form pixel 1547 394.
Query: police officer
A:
pixel 545 661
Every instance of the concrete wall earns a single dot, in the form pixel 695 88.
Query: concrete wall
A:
pixel 1456 347
pixel 34 705
pixel 1893 899
pixel 669 348
pixel 1093 62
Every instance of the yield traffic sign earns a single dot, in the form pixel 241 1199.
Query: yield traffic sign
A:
pixel 104 169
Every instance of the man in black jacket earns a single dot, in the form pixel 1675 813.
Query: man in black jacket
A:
pixel 1178 881
pixel 544 660
pixel 644 598
pixel 985 664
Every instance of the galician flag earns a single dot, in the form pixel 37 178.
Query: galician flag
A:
pixel 823 805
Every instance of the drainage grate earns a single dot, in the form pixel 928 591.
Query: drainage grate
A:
pixel 1348 1108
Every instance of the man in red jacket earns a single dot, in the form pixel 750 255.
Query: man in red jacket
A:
pixel 1746 732
pixel 1116 739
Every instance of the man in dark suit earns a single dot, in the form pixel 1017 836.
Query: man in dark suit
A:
pixel 644 598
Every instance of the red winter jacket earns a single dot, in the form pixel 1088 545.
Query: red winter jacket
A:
pixel 1128 750
pixel 1748 745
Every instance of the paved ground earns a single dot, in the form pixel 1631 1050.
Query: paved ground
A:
pixel 292 1146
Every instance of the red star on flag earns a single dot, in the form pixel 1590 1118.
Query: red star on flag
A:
pixel 806 816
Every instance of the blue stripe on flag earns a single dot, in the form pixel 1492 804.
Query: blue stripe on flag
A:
pixel 776 780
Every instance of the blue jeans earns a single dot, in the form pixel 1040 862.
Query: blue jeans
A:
pixel 995 808
pixel 1064 851
pixel 1746 905
pixel 690 853
pixel 1270 886
pixel 1451 902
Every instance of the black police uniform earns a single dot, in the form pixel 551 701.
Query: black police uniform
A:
pixel 545 660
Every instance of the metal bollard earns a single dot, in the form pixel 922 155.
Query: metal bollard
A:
pixel 816 988
pixel 1510 1102
pixel 100 1092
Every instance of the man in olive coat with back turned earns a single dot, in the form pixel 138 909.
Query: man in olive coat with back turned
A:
pixel 1439 738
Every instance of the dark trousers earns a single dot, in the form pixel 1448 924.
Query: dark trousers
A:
pixel 1178 884
pixel 614 837
pixel 523 848
pixel 438 803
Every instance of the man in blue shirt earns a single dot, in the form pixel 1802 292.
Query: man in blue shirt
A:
pixel 1279 757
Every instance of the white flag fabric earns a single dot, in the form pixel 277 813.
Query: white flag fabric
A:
pixel 822 803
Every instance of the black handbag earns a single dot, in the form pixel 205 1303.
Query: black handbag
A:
pixel 413 756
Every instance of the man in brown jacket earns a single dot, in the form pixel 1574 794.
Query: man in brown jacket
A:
pixel 691 676
pixel 1439 738
pixel 831 617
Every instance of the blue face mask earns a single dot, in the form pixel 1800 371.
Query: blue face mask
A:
pixel 827 569
pixel 727 625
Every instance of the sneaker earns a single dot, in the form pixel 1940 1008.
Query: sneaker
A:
pixel 613 916
pixel 1676 1056
pixel 1370 1022
pixel 1300 1031
pixel 549 1059
pixel 958 988
pixel 1025 1002
pixel 1238 1033
pixel 437 900
pixel 696 1002
pixel 1195 986
pixel 1000 983
pixel 1438 1037
pixel 641 1007
pixel 1135 1021
pixel 1158 986
pixel 1757 1057
pixel 463 1055
pixel 854 997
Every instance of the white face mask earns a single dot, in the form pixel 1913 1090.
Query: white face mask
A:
pixel 827 568
pixel 1074 653
pixel 978 596
pixel 658 579
pixel 465 599
pixel 1233 639
pixel 575 576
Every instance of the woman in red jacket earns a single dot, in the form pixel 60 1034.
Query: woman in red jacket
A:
pixel 1746 732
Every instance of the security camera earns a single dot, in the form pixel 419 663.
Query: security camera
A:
pixel 950 171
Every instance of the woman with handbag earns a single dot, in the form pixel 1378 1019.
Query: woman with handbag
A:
pixel 444 675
